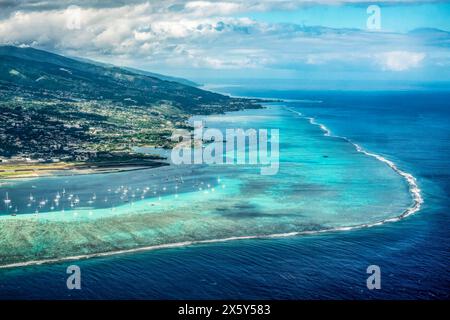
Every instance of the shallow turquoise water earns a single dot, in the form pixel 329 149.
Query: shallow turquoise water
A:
pixel 323 183
pixel 409 128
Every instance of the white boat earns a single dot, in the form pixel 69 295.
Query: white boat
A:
pixel 7 200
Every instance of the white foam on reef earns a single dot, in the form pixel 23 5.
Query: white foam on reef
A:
pixel 410 179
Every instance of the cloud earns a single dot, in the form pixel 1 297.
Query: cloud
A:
pixel 400 60
pixel 210 8
pixel 203 7
pixel 213 35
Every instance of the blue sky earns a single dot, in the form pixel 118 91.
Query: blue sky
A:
pixel 302 40
pixel 395 18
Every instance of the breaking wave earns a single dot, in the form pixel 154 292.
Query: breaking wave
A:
pixel 409 178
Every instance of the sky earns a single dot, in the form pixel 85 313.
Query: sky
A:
pixel 305 40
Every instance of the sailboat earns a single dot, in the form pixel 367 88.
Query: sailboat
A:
pixel 7 200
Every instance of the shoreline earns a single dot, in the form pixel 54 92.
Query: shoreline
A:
pixel 78 169
pixel 411 181
pixel 414 191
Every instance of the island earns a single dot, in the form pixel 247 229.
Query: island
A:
pixel 59 113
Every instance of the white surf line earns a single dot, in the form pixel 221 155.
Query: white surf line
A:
pixel 411 180
pixel 176 245
pixel 187 243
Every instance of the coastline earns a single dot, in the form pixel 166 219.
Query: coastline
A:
pixel 76 169
pixel 413 189
pixel 30 170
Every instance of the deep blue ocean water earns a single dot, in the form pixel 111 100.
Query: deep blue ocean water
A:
pixel 409 128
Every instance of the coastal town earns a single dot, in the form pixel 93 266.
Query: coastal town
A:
pixel 57 112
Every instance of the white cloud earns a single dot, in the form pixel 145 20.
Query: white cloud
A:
pixel 207 35
pixel 210 8
pixel 400 60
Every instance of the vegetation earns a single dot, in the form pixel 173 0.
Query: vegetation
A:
pixel 53 107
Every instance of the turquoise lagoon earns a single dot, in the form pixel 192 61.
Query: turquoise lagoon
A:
pixel 324 183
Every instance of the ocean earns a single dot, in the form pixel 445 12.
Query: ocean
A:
pixel 409 128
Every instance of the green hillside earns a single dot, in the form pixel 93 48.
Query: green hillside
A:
pixel 54 106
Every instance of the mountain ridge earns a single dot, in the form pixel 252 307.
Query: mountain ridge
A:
pixel 53 106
